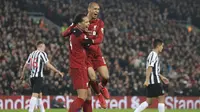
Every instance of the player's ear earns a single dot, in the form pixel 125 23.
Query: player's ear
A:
pixel 88 10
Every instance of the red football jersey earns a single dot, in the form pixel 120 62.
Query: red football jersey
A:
pixel 77 56
pixel 97 28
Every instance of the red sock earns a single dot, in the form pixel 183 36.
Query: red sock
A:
pixel 87 106
pixel 104 82
pixel 76 105
pixel 95 86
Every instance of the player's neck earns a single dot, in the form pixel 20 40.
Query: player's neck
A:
pixel 39 49
pixel 156 50
pixel 90 17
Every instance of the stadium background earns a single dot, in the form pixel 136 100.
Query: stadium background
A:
pixel 130 26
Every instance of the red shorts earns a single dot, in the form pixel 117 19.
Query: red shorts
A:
pixel 96 62
pixel 79 78
pixel 95 58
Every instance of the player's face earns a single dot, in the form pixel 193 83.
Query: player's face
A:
pixel 43 47
pixel 85 23
pixel 94 11
pixel 161 47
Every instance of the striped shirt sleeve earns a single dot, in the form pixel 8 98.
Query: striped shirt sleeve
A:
pixel 29 59
pixel 44 57
pixel 152 59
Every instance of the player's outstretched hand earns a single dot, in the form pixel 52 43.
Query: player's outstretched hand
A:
pixel 22 77
pixel 146 83
pixel 61 73
pixel 165 80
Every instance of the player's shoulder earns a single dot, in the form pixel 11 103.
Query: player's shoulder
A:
pixel 43 53
pixel 77 32
pixel 153 53
pixel 100 21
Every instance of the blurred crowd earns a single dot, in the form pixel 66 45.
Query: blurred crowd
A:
pixel 130 28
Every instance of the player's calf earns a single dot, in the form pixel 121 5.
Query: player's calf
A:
pixel 87 106
pixel 77 104
pixel 103 70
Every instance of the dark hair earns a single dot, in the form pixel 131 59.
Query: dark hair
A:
pixel 157 42
pixel 39 43
pixel 78 18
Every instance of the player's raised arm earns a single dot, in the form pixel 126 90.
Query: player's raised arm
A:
pixel 67 32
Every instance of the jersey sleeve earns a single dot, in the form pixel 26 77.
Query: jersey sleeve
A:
pixel 67 32
pixel 152 59
pixel 44 57
pixel 100 33
pixel 29 59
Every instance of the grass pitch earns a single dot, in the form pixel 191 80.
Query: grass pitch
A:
pixel 107 110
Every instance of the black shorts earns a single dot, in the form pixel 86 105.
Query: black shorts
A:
pixel 36 84
pixel 154 90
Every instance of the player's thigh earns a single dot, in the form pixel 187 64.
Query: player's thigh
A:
pixel 100 66
pixel 40 95
pixel 92 74
pixel 79 78
pixel 82 93
pixel 91 71
pixel 149 100
pixel 103 71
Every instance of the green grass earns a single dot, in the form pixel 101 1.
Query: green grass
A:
pixel 106 110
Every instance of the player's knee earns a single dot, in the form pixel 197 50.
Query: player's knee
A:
pixel 92 76
pixel 104 73
pixel 83 94
pixel 105 76
pixel 89 97
pixel 84 97
pixel 35 95
pixel 149 102
pixel 161 99
pixel 40 95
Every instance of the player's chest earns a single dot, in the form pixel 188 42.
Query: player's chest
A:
pixel 94 28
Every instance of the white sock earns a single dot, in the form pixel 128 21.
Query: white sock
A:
pixel 161 107
pixel 32 104
pixel 40 104
pixel 141 107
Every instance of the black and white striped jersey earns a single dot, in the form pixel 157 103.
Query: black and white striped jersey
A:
pixel 36 61
pixel 153 60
